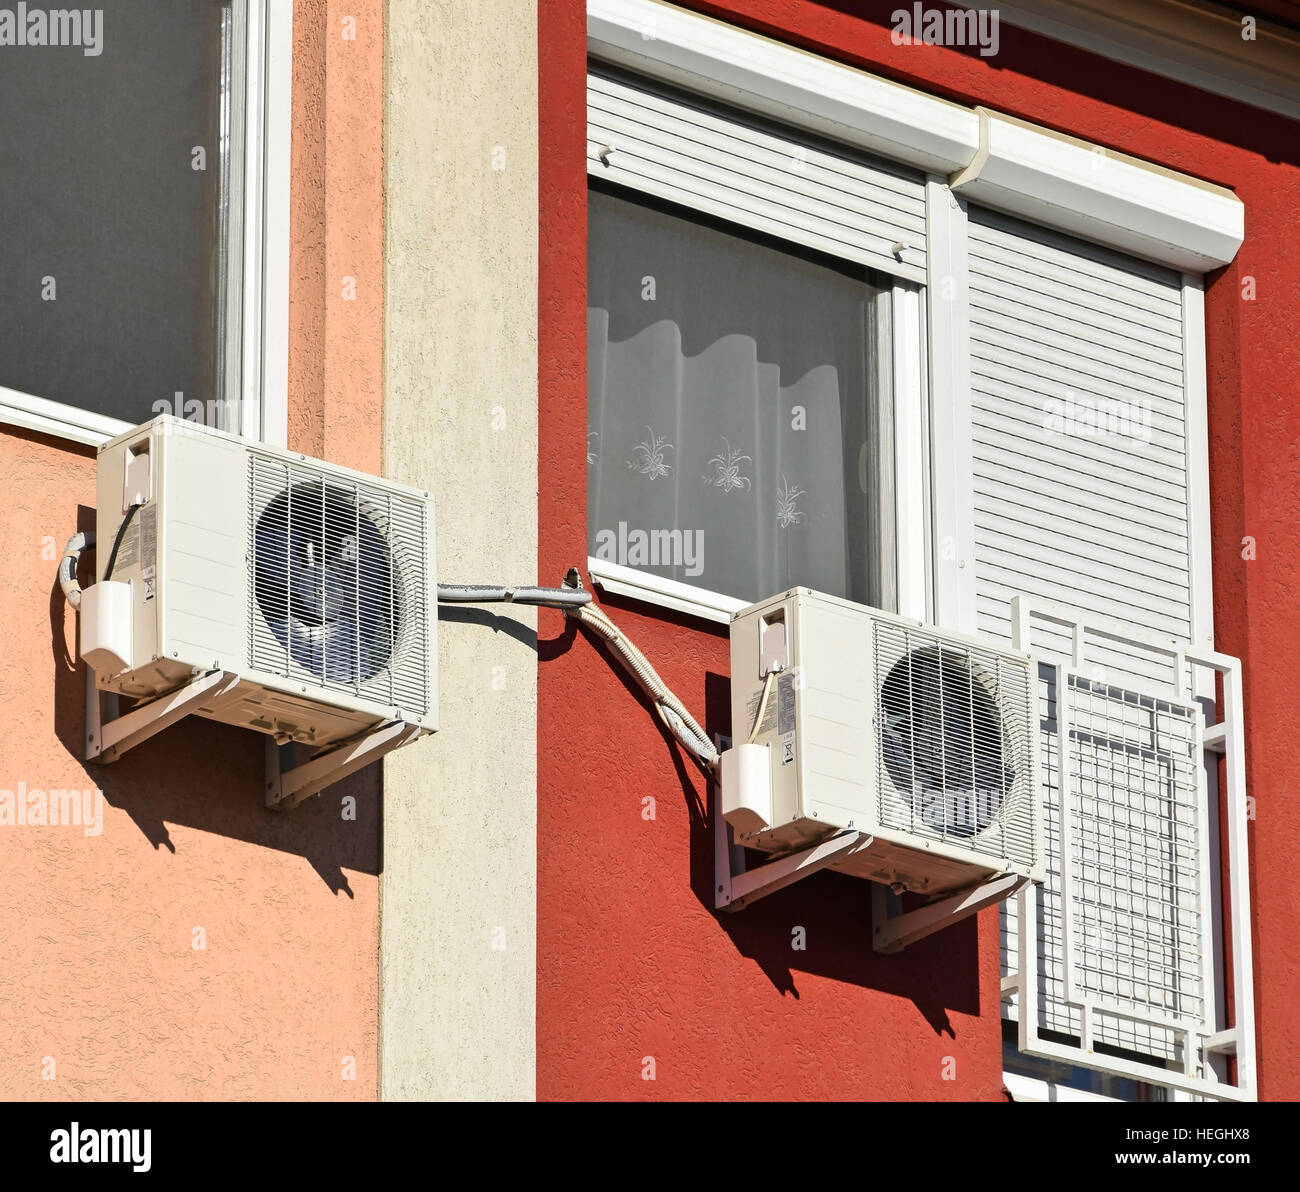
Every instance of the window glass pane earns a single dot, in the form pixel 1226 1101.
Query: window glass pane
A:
pixel 1069 1076
pixel 731 388
pixel 108 260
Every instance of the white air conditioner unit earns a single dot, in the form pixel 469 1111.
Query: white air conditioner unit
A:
pixel 921 741
pixel 307 589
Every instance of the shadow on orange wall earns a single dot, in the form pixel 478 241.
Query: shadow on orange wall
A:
pixel 155 782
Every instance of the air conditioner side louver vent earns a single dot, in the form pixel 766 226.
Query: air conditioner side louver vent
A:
pixel 337 593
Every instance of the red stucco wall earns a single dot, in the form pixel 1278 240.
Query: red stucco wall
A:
pixel 632 962
pixel 105 996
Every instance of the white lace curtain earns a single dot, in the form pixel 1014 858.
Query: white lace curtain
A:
pixel 728 407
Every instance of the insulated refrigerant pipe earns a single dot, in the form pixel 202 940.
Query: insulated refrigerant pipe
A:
pixel 68 565
pixel 562 598
pixel 670 709
pixel 575 602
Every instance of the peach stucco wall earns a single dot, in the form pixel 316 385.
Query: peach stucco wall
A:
pixel 104 992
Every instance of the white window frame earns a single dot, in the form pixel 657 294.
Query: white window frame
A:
pixel 910 502
pixel 970 154
pixel 255 247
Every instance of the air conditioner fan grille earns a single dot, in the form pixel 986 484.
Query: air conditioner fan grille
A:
pixel 337 585
pixel 954 748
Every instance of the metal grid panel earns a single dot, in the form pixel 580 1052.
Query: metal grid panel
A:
pixel 1135 854
pixel 337 583
pixel 1058 1006
pixel 954 743
pixel 1119 966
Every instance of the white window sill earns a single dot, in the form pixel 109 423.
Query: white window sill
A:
pixel 666 593
pixel 57 420
pixel 1028 1088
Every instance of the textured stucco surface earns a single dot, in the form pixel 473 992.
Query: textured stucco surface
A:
pixel 633 963
pixel 457 986
pixel 98 970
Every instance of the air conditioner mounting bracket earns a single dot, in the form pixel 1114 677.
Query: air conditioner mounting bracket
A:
pixel 287 788
pixel 735 887
pixel 110 734
pixel 894 929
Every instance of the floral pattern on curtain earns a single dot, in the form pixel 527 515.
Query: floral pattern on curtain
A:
pixel 728 405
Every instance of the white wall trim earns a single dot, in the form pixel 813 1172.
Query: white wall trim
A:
pixel 1058 181
pixel 1201 47
pixel 948 295
pixel 1091 192
pixel 666 593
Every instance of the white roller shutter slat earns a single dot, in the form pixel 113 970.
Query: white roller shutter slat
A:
pixel 1009 371
pixel 759 175
pixel 1096 521
pixel 1097 449
pixel 1048 573
pixel 1143 543
pixel 1116 318
pixel 1067 358
pixel 1108 531
pixel 1002 305
pixel 1101 271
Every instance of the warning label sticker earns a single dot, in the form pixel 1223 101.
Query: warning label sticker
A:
pixel 779 713
pixel 128 554
pixel 148 536
pixel 769 713
pixel 785 702
pixel 149 549
pixel 787 748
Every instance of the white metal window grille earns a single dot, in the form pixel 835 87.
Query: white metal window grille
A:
pixel 1117 962
pixel 336 590
pixel 1134 855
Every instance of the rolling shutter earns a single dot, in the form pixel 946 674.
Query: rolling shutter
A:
pixel 1081 505
pixel 1079 434
pixel 750 171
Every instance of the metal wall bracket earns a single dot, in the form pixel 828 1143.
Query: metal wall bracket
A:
pixel 109 736
pixel 893 930
pixel 287 788
pixel 735 886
